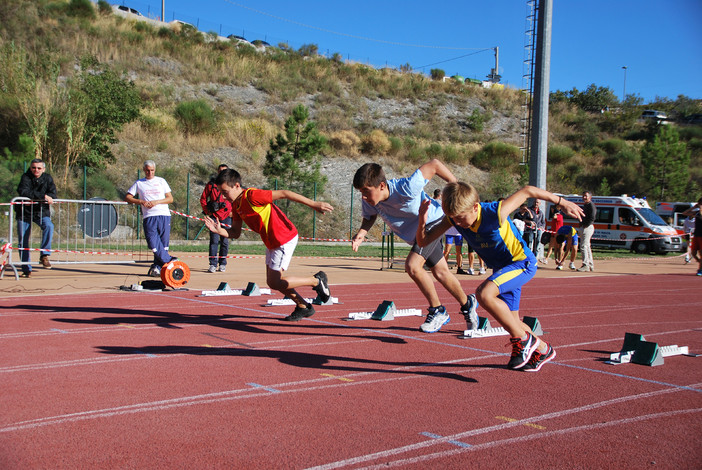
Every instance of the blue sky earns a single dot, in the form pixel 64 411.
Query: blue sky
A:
pixel 660 42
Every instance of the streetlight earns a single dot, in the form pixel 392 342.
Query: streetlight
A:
pixel 624 93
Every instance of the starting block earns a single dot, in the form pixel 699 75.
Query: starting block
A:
pixel 251 290
pixel 639 351
pixel 289 301
pixel 484 330
pixel 386 311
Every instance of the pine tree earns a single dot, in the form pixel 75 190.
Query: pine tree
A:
pixel 666 162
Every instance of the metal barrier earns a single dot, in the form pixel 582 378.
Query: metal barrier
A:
pixel 90 231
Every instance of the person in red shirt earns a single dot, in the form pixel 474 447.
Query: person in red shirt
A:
pixel 556 224
pixel 255 207
pixel 215 205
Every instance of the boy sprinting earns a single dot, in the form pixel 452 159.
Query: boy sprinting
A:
pixel 488 229
pixel 397 202
pixel 256 208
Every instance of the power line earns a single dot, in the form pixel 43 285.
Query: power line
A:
pixel 456 58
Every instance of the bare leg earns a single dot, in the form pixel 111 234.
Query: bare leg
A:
pixel 414 266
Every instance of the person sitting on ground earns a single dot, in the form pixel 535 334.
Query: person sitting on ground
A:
pixel 255 207
pixel 489 230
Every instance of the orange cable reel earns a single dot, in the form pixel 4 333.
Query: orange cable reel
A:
pixel 175 274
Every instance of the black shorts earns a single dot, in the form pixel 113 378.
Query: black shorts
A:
pixel 433 252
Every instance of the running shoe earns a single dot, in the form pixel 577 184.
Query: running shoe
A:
pixel 211 269
pixel 687 259
pixel 436 318
pixel 461 271
pixel 572 266
pixel 299 313
pixel 154 271
pixel 699 273
pixel 322 288
pixel 559 267
pixel 222 268
pixel 538 359
pixel 470 271
pixel 469 312
pixel 522 350
pixel 482 270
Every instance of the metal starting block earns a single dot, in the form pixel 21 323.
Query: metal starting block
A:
pixel 251 290
pixel 289 301
pixel 639 351
pixel 386 311
pixel 484 330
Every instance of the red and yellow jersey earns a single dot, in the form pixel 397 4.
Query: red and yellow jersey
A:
pixel 256 209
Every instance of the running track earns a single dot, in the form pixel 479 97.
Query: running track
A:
pixel 176 380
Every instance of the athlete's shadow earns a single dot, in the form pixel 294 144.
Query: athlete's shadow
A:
pixel 299 359
pixel 173 320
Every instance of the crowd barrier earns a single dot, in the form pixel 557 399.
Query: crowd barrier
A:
pixel 85 231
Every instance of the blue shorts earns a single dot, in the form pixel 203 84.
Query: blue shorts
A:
pixel 454 240
pixel 511 278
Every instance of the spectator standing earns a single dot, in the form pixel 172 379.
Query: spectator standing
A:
pixel 215 205
pixel 153 194
pixel 556 224
pixel 39 186
pixel 587 229
pixel 540 226
pixel 696 242
pixel 689 229
pixel 527 216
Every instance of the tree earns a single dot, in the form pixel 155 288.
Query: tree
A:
pixel 109 101
pixel 293 157
pixel 666 162
pixel 437 74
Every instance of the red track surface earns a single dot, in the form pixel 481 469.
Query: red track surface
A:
pixel 174 380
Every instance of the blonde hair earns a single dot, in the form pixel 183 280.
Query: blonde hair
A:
pixel 458 198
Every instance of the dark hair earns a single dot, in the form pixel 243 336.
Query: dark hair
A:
pixel 229 176
pixel 437 193
pixel 222 166
pixel 370 174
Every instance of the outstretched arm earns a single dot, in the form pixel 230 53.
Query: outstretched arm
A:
pixel 424 237
pixel 361 234
pixel 513 202
pixel 319 206
pixel 437 168
pixel 214 225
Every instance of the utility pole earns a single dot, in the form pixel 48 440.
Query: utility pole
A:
pixel 539 132
pixel 624 93
pixel 163 10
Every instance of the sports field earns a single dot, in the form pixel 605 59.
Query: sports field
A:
pixel 98 377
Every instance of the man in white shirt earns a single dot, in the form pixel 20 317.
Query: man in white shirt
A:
pixel 153 194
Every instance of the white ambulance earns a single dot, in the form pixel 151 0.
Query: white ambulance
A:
pixel 627 222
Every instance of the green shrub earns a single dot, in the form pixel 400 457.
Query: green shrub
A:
pixel 558 154
pixel 104 7
pixel 80 9
pixel 496 155
pixel 195 117
pixel 395 145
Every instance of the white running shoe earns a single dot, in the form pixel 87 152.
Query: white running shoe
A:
pixel 211 269
pixel 471 315
pixel 482 270
pixel 572 266
pixel 436 318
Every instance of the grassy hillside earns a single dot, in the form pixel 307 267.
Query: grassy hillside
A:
pixel 398 118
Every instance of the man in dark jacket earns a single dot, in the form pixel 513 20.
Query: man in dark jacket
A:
pixel 215 205
pixel 38 186
pixel 587 229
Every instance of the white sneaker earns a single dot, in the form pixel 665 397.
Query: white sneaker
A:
pixel 436 318
pixel 687 259
pixel 572 266
pixel 222 269
pixel 482 270
pixel 471 315
pixel 470 271
pixel 559 267
pixel 211 269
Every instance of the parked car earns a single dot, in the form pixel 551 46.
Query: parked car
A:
pixel 238 39
pixel 129 10
pixel 260 43
pixel 652 114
